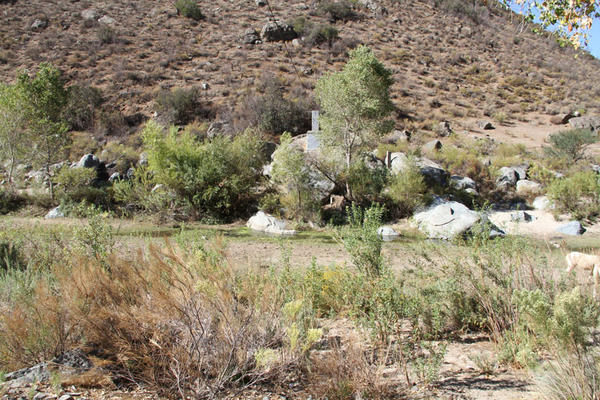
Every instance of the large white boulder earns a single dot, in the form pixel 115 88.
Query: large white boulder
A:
pixel 269 224
pixel 450 219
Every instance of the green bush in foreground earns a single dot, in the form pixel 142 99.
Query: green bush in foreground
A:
pixel 570 144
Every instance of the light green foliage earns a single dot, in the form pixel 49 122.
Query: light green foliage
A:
pixel 428 363
pixel 213 177
pixel 578 195
pixel 179 105
pixel 76 185
pixel 408 189
pixel 570 144
pixel 44 100
pixel 366 182
pixel 355 104
pixel 291 172
pixel 136 194
pixel 539 173
pixel 361 240
pixel 95 239
pixel 13 140
pixel 189 9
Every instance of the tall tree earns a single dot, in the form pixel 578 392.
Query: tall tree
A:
pixel 45 98
pixel 13 139
pixel 355 105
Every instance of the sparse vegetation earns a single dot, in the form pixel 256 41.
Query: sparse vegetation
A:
pixel 570 144
pixel 189 9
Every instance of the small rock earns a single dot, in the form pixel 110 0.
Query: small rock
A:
pixel 88 161
pixel 56 212
pixel 261 3
pixel 572 228
pixel 485 125
pixel 527 187
pixel 143 161
pixel 89 15
pixel 65 397
pixel 39 24
pixel 40 396
pixel 277 31
pixel 251 37
pixel 267 223
pixel 430 147
pixel 522 216
pixel 107 20
pixel 542 203
pixel 387 233
pixel 590 122
pixel 444 129
pixel 463 182
pixel 205 86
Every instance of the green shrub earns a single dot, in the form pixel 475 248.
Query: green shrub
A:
pixel 83 104
pixel 463 9
pixel 578 195
pixel 337 10
pixel 181 106
pixel 214 177
pixel 76 185
pixel 408 189
pixel 570 144
pixel 367 183
pixel 10 201
pixel 10 257
pixel 293 177
pixel 136 195
pixel 189 9
pixel 106 34
pixel 361 240
pixel 320 33
pixel 273 112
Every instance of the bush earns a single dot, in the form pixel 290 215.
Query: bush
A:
pixel 181 106
pixel 408 189
pixel 10 257
pixel 76 185
pixel 10 201
pixel 366 182
pixel 83 104
pixel 361 240
pixel 189 9
pixel 314 34
pixel 570 144
pixel 337 10
pixel 106 34
pixel 294 179
pixel 214 177
pixel 578 195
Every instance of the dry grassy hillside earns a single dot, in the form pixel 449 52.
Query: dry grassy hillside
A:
pixel 451 60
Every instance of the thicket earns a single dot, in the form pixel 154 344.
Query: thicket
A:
pixel 227 327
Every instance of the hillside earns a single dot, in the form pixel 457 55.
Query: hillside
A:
pixel 451 60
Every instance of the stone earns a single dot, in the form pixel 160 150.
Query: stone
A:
pixel 542 203
pixel 205 86
pixel 56 212
pixel 563 119
pixel 296 43
pixel 267 170
pixel 41 396
pixel 143 160
pixel 522 216
pixel 106 20
pixel 485 125
pixel 217 128
pixel 432 172
pixel 276 31
pixel 590 122
pixel 397 136
pixel 267 223
pixel 39 24
pixel 572 228
pixel 508 177
pixel 88 161
pixel 463 182
pixel 89 15
pixel 525 186
pixel 115 176
pixel 387 233
pixel 444 129
pixel 66 397
pixel 432 146
pixel 261 3
pixel 448 220
pixel 251 37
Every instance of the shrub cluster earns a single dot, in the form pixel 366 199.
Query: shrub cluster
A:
pixel 189 9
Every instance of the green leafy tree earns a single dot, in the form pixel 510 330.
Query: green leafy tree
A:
pixel 355 104
pixel 290 171
pixel 13 139
pixel 45 98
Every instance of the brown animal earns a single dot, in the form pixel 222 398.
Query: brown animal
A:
pixel 585 261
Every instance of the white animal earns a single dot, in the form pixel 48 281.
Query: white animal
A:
pixel 585 261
